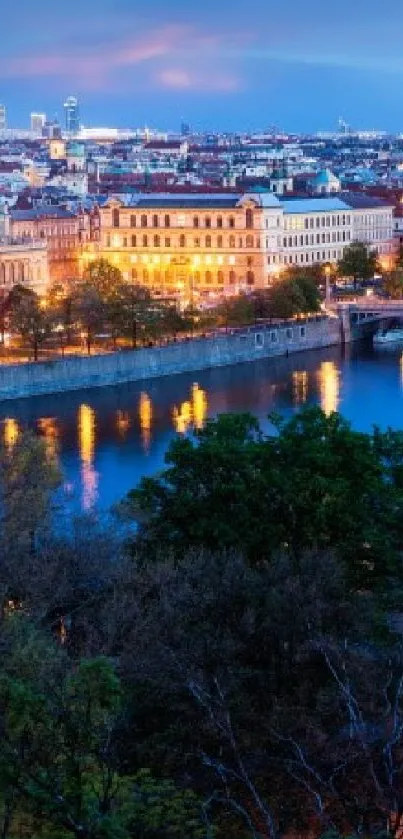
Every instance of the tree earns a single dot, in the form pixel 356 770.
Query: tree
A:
pixel 89 310
pixel 358 262
pixel 393 284
pixel 313 482
pixel 30 319
pixel 105 278
pixel 60 307
pixel 59 759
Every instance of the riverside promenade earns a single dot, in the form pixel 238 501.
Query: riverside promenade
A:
pixel 237 346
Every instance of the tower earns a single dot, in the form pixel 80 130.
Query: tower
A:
pixel 72 115
pixel 38 123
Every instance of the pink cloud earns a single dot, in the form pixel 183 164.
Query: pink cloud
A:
pixel 181 79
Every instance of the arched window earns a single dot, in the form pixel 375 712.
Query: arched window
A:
pixel 208 241
pixel 134 274
pixel 156 241
pixel 250 278
pixel 115 218
pixel 196 221
pixel 232 277
pixel 207 221
pixel 249 218
pixel 232 241
pixel 249 241
pixel 219 221
pixel 208 277
pixel 144 221
pixel 219 241
pixel 220 278
pixel 231 221
pixel 145 241
pixel 182 241
pixel 167 221
pixel 134 241
pixel 133 221
pixel 155 221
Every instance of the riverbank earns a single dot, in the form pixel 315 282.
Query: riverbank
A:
pixel 236 347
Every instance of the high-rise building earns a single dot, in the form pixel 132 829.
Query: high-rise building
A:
pixel 3 118
pixel 185 129
pixel 72 114
pixel 38 123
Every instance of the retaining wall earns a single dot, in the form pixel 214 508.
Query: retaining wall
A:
pixel 80 372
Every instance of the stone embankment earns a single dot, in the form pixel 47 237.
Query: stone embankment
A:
pixel 237 346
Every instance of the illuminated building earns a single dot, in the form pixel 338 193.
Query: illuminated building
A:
pixel 194 246
pixel 58 230
pixel 38 123
pixel 72 115
pixel 23 259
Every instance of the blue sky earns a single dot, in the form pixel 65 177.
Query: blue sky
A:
pixel 225 64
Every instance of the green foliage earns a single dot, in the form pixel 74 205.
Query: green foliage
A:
pixel 29 320
pixel 315 481
pixel 393 284
pixel 358 262
pixel 105 278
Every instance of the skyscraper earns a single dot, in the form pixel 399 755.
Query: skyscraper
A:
pixel 3 118
pixel 37 123
pixel 72 114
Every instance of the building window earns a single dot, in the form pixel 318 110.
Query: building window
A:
pixel 196 221
pixel 145 276
pixel 249 241
pixel 232 277
pixel 274 337
pixel 219 221
pixel 115 218
pixel 144 221
pixel 232 241
pixel 155 221
pixel 145 241
pixel 208 277
pixel 302 332
pixel 182 241
pixel 250 278
pixel 134 241
pixel 133 221
pixel 197 242
pixel 220 278
pixel 259 339
pixel 231 221
pixel 289 334
pixel 156 241
pixel 208 241
pixel 248 219
pixel 167 242
pixel 219 241
pixel 167 221
pixel 134 274
pixel 125 241
pixel 207 221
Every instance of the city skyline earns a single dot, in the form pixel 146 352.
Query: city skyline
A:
pixel 226 66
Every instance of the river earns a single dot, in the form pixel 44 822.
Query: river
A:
pixel 106 440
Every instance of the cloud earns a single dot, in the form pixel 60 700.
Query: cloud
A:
pixel 181 79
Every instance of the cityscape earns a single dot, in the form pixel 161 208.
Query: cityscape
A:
pixel 201 420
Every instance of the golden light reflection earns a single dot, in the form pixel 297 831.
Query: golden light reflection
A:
pixel 329 381
pixel 86 437
pixel 193 411
pixel 50 432
pixel 200 406
pixel 11 433
pixel 122 422
pixel 146 419
pixel 299 387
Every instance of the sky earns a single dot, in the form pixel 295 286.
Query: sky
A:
pixel 217 64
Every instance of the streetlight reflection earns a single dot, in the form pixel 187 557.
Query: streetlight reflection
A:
pixel 86 436
pixel 11 433
pixel 329 381
pixel 299 387
pixel 146 419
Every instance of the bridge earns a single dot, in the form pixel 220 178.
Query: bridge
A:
pixel 362 315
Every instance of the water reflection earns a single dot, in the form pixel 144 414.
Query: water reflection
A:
pixel 11 433
pixel 49 430
pixel 329 383
pixel 191 412
pixel 146 419
pixel 299 387
pixel 86 441
pixel 122 423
